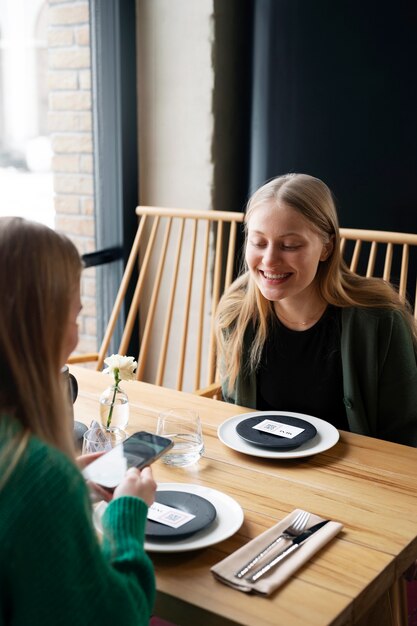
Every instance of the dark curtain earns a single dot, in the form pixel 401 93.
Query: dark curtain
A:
pixel 335 96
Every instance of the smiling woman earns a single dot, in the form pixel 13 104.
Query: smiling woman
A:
pixel 298 331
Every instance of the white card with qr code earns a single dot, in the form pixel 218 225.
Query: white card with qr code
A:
pixel 277 428
pixel 168 515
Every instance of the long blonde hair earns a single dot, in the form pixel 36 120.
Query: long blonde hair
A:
pixel 39 272
pixel 243 306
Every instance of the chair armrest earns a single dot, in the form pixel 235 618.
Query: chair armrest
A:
pixel 212 391
pixel 82 358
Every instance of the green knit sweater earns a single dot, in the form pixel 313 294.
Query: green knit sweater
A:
pixel 53 571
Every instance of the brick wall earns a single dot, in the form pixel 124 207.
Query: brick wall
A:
pixel 70 127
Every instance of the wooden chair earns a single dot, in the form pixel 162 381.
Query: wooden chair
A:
pixel 384 254
pixel 184 260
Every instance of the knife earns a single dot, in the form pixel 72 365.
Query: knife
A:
pixel 295 543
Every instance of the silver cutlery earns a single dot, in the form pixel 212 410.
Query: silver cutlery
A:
pixel 296 527
pixel 296 543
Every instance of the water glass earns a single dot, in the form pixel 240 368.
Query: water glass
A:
pixel 100 439
pixel 183 426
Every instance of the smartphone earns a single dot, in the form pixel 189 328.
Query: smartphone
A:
pixel 138 450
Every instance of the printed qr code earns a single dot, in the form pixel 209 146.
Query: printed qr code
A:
pixel 173 517
pixel 271 427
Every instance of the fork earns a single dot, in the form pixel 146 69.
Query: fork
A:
pixel 296 527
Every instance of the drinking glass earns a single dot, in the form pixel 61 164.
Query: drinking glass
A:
pixel 100 439
pixel 183 426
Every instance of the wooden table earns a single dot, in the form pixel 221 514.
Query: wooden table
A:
pixel 367 484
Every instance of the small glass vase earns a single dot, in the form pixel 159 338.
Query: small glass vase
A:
pixel 119 415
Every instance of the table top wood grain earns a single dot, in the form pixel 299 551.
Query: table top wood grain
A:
pixel 367 484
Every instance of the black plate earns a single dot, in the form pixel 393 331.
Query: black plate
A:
pixel 246 430
pixel 204 511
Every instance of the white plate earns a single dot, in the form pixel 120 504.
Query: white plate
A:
pixel 228 520
pixel 327 436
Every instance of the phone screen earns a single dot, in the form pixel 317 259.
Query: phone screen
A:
pixel 138 450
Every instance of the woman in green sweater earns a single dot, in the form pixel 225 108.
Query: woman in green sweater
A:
pixel 53 571
pixel 298 331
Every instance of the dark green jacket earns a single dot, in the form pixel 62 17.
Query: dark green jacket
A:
pixel 379 375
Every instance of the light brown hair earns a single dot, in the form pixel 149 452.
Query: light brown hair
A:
pixel 39 273
pixel 243 304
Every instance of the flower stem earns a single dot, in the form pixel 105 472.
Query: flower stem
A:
pixel 116 386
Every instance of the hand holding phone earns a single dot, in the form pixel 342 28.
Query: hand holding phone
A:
pixel 138 450
pixel 137 483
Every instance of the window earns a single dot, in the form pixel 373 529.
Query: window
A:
pixel 26 187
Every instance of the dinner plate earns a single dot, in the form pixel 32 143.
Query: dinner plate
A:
pixel 326 437
pixel 204 514
pixel 229 518
pixel 248 431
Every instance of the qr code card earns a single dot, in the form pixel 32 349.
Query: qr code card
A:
pixel 168 515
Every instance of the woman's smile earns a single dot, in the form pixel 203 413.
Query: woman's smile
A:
pixel 283 252
pixel 274 277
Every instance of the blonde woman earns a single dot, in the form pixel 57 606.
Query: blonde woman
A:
pixel 298 331
pixel 52 568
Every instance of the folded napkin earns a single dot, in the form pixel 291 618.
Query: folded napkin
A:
pixel 225 570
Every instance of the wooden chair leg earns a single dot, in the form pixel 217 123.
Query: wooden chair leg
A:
pixel 398 601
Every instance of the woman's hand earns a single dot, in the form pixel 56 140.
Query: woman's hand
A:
pixel 86 459
pixel 97 492
pixel 137 483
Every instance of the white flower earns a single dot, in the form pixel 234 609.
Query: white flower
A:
pixel 122 367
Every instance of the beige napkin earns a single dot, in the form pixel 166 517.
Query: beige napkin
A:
pixel 225 570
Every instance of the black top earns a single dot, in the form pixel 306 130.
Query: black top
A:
pixel 301 371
